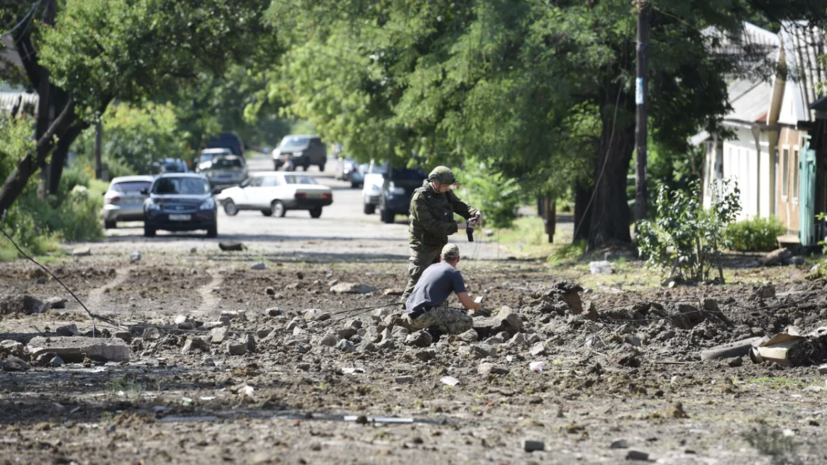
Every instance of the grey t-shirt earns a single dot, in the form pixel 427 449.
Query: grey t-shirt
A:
pixel 435 285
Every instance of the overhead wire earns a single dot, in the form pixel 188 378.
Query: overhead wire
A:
pixel 25 18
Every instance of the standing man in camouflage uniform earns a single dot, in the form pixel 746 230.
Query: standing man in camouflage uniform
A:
pixel 432 220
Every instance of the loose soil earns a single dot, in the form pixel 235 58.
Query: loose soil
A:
pixel 598 385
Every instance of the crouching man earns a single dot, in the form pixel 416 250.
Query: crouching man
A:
pixel 437 283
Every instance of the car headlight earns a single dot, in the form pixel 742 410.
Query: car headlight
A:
pixel 208 204
pixel 150 205
pixel 395 190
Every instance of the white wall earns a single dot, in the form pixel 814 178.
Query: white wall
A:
pixel 741 164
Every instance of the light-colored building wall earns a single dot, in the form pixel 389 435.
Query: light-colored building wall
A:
pixel 790 142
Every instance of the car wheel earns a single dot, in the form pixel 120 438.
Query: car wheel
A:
pixel 321 167
pixel 369 209
pixel 212 231
pixel 387 216
pixel 276 166
pixel 230 208
pixel 148 231
pixel 278 209
pixel 109 225
pixel 316 212
pixel 267 212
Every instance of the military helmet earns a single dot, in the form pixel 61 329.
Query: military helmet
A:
pixel 442 174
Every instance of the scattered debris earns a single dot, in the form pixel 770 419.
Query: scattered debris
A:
pixel 12 363
pixel 602 267
pixel 56 302
pixel 352 288
pixel 449 380
pixel 634 454
pixel 530 445
pixel 730 350
pixel 76 349
pixel 231 246
pixel 619 444
pixel 82 251
pixel 21 303
pixel 135 257
pixel 258 266
pixel 776 257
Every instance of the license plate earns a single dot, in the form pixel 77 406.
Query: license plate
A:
pixel 180 217
pixel 314 196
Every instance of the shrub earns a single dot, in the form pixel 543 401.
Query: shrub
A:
pixel 756 234
pixel 686 239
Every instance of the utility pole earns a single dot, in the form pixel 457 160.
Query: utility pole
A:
pixel 641 84
pixel 98 142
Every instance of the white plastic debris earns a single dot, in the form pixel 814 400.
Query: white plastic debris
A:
pixel 449 380
pixel 537 366
pixel 207 398
pixel 135 256
pixel 603 267
pixel 249 391
pixel 509 358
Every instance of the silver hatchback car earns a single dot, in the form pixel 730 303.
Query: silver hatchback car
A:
pixel 123 200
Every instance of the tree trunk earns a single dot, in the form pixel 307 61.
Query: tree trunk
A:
pixel 60 153
pixel 610 209
pixel 33 161
pixel 582 219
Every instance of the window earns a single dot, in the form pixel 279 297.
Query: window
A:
pixel 130 186
pixel 185 186
pixel 270 181
pixel 785 173
pixel 796 172
pixel 299 179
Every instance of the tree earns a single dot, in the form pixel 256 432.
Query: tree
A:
pixel 130 51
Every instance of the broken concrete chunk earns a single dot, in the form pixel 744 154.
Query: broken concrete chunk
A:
pixel 21 303
pixel 419 339
pixel 235 347
pixel 75 349
pixel 219 335
pixel 82 251
pixel 13 363
pixel 508 320
pixel 67 330
pixel 469 336
pixel 12 347
pixel 193 344
pixel 152 333
pixel 352 288
pixel 425 354
pixel 538 349
pixel 601 267
pixel 125 336
pixel 486 369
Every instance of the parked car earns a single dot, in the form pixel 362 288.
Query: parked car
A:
pixel 372 186
pixel 123 201
pixel 274 193
pixel 230 141
pixel 169 165
pixel 206 157
pixel 397 190
pixel 226 170
pixel 180 202
pixel 304 150
pixel 348 169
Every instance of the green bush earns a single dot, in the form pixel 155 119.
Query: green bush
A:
pixel 686 239
pixel 757 234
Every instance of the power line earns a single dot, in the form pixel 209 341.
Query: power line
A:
pixel 25 18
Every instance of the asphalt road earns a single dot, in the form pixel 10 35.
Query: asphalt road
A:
pixel 343 233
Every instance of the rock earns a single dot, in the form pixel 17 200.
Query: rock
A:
pixel 508 320
pixel 797 261
pixel 258 266
pixel 538 349
pixel 635 454
pixel 219 335
pixel 56 302
pixel 179 319
pixel 250 340
pixel 404 379
pixel 298 331
pixel 315 314
pixel 419 339
pixel 392 292
pixel 735 362
pixel 590 311
pixel 530 445
pixel 152 333
pixel 775 257
pixel 274 311
pixel 13 363
pixel 329 340
pixel 82 251
pixel 486 369
pixel 210 325
pixel 469 336
pixel 483 350
pixel 619 444
pixel 366 346
pixel 601 267
pixel 67 330
pixel 495 340
pixel 352 288
pixel 75 349
pixel 271 291
pixel 195 343
pixel 231 246
pixel 766 291
pixel 425 354
pixel 344 345
pixel 21 303
pixel 380 313
pixel 399 332
pixel 135 257
pixel 193 250
pixel 235 348
pixel 263 332
pixel 354 323
pixel 125 336
pixel 634 341
pixel 518 340
pixel 676 411
pixel 229 315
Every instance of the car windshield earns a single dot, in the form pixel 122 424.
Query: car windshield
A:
pixel 299 179
pixel 226 163
pixel 294 142
pixel 130 186
pixel 184 186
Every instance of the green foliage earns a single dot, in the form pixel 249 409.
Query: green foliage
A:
pixel 134 137
pixel 757 234
pixel 686 239
pixel 498 197
pixel 16 140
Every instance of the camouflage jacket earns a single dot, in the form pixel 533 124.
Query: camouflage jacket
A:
pixel 432 215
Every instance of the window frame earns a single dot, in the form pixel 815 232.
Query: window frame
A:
pixel 796 174
pixel 785 173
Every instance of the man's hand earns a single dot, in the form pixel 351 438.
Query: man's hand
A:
pixel 468 303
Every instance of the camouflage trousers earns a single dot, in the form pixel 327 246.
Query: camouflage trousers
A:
pixel 422 256
pixel 446 320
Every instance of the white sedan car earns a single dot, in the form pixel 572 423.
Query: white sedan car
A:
pixel 273 193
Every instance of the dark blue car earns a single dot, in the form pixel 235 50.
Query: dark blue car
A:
pixel 180 202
